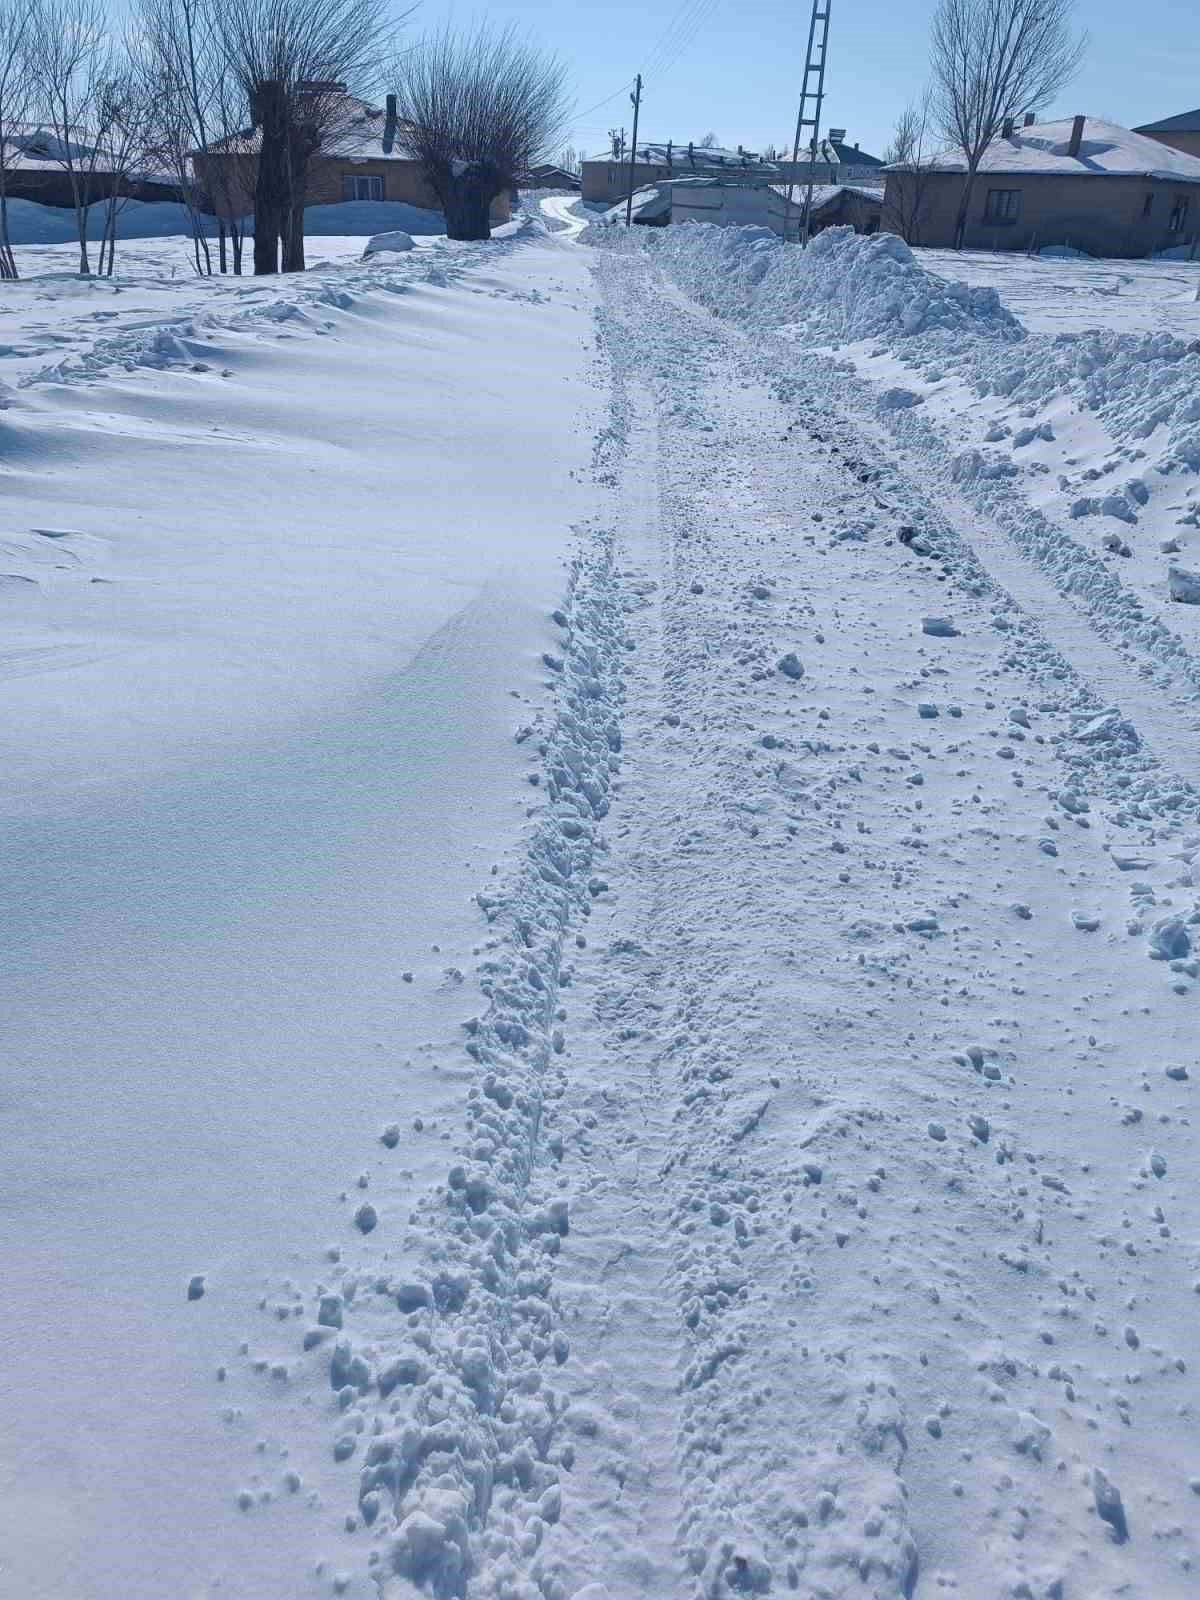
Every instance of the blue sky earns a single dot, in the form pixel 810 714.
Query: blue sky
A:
pixel 738 72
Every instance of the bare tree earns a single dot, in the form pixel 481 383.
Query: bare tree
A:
pixel 15 18
pixel 294 61
pixel 993 59
pixel 480 109
pixel 907 191
pixel 70 59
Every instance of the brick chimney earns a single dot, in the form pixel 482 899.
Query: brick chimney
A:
pixel 1028 119
pixel 1076 136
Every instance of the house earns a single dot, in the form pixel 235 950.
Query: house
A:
pixel 1084 183
pixel 36 160
pixel 606 179
pixel 1179 133
pixel 363 158
pixel 833 161
pixel 837 205
pixel 546 176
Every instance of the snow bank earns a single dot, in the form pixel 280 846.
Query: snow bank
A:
pixel 844 286
pixel 31 223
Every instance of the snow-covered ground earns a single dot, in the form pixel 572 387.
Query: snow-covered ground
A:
pixel 598 907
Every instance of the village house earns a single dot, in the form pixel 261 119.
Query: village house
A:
pixel 1084 183
pixel 834 161
pixel 365 158
pixel 37 161
pixel 1180 133
pixel 731 203
pixel 606 179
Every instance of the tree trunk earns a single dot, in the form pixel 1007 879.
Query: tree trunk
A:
pixel 237 234
pixel 221 244
pixel 8 262
pixel 468 208
pixel 271 183
pixel 960 226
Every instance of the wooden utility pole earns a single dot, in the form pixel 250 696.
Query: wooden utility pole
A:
pixel 636 100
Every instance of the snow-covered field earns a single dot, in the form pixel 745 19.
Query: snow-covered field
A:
pixel 599 900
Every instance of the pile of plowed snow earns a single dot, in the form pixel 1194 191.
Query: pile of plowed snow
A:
pixel 845 286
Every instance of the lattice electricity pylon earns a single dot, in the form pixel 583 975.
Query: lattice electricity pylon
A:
pixel 812 93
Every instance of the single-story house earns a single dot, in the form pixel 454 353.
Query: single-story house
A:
pixel 363 158
pixel 1084 183
pixel 547 176
pixel 1180 133
pixel 36 163
pixel 837 205
pixel 833 161
pixel 606 178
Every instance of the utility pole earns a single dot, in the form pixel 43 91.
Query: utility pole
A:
pixel 636 101
pixel 809 115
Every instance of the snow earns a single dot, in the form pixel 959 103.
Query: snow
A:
pixel 31 223
pixel 599 930
pixel 396 241
pixel 1106 148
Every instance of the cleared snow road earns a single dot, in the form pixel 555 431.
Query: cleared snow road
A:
pixel 778 1181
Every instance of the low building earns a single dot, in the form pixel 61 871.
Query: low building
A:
pixel 1178 133
pixel 546 176
pixel 37 162
pixel 833 161
pixel 837 205
pixel 365 158
pixel 1085 183
pixel 606 179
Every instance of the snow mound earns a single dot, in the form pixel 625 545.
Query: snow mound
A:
pixel 350 218
pixel 396 240
pixel 844 286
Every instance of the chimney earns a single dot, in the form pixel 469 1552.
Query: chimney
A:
pixel 391 107
pixel 1006 132
pixel 1076 136
pixel 1028 123
pixel 389 125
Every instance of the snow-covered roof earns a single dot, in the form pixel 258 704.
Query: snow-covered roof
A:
pixel 670 152
pixel 1185 122
pixel 825 194
pixel 1106 151
pixel 837 153
pixel 363 133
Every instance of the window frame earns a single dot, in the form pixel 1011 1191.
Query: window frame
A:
pixel 350 186
pixel 1012 212
pixel 1177 221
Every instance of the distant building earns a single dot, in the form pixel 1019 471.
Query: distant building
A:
pixel 732 203
pixel 36 164
pixel 1084 183
pixel 364 158
pixel 545 176
pixel 834 161
pixel 606 179
pixel 1180 133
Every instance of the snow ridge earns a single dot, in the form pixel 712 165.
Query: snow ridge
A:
pixel 844 286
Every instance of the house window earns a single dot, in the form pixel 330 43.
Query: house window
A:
pixel 1003 205
pixel 356 186
pixel 1179 212
pixel 1148 205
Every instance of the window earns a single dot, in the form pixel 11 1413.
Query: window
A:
pixel 1147 205
pixel 1179 212
pixel 361 187
pixel 1003 205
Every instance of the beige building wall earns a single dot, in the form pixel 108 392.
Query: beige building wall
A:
pixel 402 181
pixel 1102 215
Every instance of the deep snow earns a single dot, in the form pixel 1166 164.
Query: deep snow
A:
pixel 600 937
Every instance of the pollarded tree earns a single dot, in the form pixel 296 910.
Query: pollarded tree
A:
pixel 294 61
pixel 991 60
pixel 15 95
pixel 478 110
